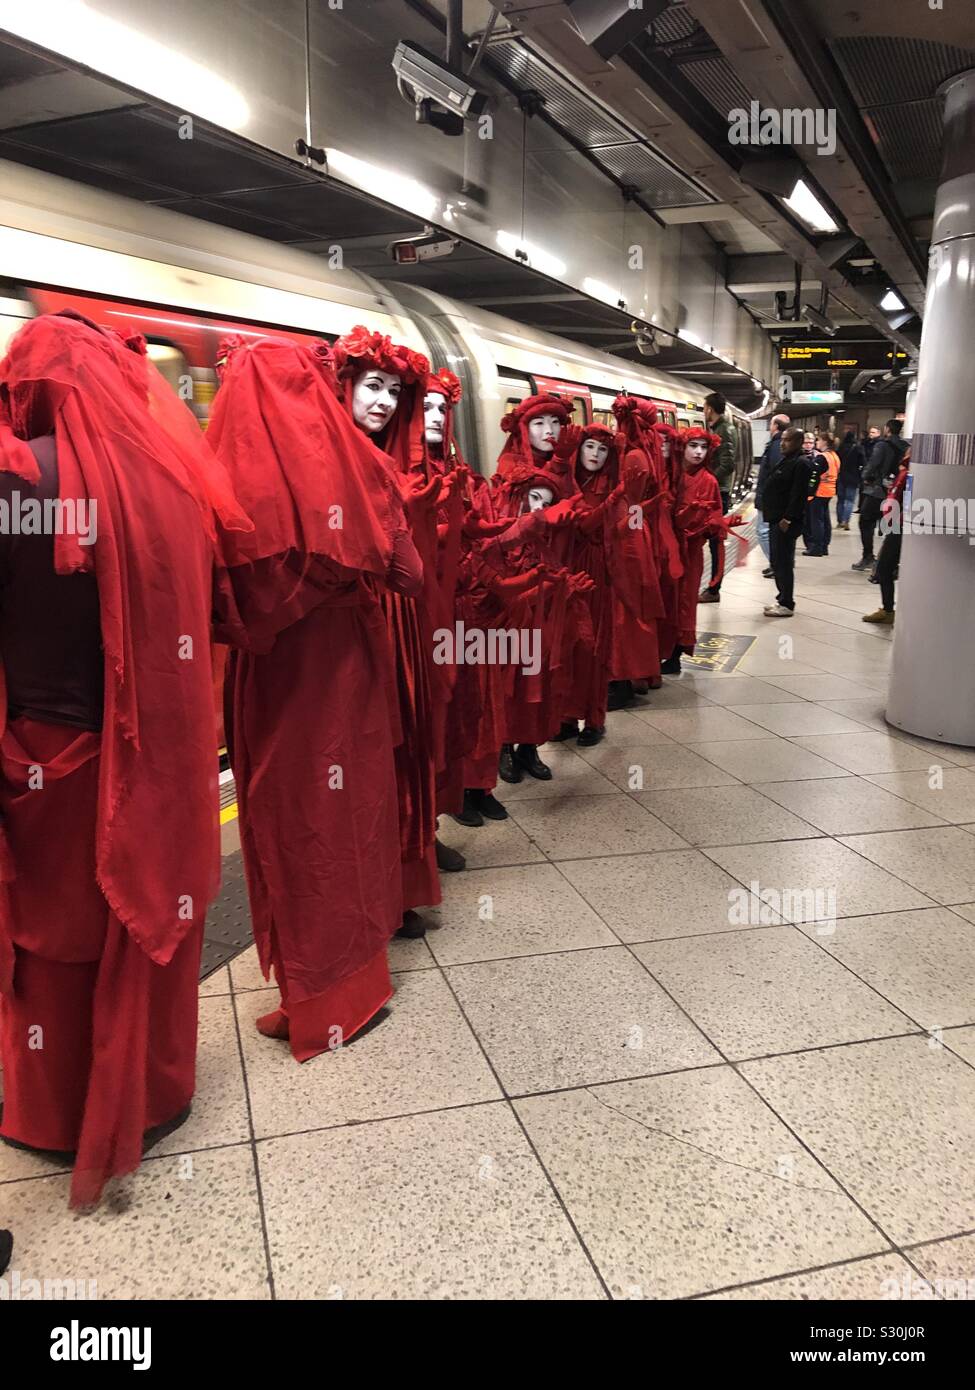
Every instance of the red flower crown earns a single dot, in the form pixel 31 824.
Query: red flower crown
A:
pixel 378 351
pixel 444 383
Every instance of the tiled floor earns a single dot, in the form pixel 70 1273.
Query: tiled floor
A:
pixel 698 1022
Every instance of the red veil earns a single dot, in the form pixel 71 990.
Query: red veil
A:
pixel 132 449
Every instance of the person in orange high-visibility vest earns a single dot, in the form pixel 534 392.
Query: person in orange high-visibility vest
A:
pixel 820 525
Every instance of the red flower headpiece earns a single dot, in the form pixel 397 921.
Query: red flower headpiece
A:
pixel 444 383
pixel 545 403
pixel 684 438
pixel 362 348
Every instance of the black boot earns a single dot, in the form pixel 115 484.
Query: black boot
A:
pixel 488 805
pixel 449 861
pixel 590 736
pixel 671 667
pixel 569 729
pixel 413 926
pixel 527 757
pixel 508 769
pixel 470 815
pixel 620 695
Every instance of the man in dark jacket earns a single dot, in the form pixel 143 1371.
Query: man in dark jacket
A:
pixel 770 457
pixel 723 468
pixel 879 472
pixel 783 504
pixel 852 460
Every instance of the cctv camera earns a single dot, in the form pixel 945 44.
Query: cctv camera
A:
pixel 429 246
pixel 432 80
pixel 818 320
pixel 646 342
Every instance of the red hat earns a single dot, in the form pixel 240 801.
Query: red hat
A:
pixel 363 350
pixel 684 437
pixel 517 451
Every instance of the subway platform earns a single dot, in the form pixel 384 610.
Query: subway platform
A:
pixel 627 1062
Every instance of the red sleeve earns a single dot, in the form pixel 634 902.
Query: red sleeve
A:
pixel 405 573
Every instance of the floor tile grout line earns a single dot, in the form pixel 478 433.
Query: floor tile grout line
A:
pixel 507 1100
pixel 736 1068
pixel 253 1147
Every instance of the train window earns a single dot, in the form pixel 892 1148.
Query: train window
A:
pixel 683 422
pixel 604 417
pixel 579 410
pixel 669 417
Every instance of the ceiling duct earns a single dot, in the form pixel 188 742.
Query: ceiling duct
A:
pixel 609 25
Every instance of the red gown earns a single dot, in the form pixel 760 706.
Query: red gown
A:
pixel 109 852
pixel 312 687
pixel 697 516
pixel 422 688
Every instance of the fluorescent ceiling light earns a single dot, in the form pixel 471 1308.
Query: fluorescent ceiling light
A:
pixel 534 256
pixel 117 50
pixel 382 183
pixel 804 203
pixel 599 290
pixel 891 302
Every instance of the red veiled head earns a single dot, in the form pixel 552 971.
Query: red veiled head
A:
pixel 363 350
pixel 606 477
pixel 517 449
pixel 684 437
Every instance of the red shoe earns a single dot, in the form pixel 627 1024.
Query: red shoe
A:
pixel 274 1025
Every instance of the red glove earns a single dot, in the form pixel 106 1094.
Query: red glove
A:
pixel 420 498
pixel 736 519
pixel 567 444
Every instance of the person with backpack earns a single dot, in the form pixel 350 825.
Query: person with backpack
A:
pixel 881 469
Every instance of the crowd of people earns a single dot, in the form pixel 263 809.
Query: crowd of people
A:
pixel 799 475
pixel 403 634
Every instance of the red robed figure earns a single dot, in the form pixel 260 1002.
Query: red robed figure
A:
pixel 311 686
pixel 108 793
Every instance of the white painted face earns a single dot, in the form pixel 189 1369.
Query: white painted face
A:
pixel 543 431
pixel 539 498
pixel 374 399
pixel 695 452
pixel 664 446
pixel 434 417
pixel 593 455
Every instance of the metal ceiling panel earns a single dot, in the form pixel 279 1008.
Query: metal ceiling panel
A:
pixel 610 142
pixel 658 184
pixel 885 71
pixel 909 137
pixel 718 83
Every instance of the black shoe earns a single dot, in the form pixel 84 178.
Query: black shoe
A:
pixel 470 815
pixel 508 768
pixel 590 736
pixel 413 926
pixel 449 861
pixel 6 1250
pixel 489 806
pixel 569 729
pixel 670 667
pixel 816 553
pixel 620 695
pixel 768 573
pixel 862 564
pixel 527 757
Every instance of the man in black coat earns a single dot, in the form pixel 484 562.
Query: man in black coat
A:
pixel 783 505
pixel 879 472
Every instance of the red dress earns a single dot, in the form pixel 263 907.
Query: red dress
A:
pixel 697 516
pixel 109 851
pixel 312 687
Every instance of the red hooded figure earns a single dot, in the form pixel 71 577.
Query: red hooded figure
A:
pixel 311 686
pixel 109 846
pixel 697 516
pixel 640 606
pixel 382 386
pixel 535 487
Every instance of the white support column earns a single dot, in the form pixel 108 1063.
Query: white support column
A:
pixel 932 685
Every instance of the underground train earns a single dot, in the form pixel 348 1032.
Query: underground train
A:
pixel 184 283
